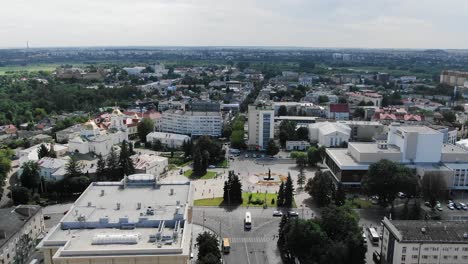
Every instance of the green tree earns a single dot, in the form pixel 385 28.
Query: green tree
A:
pixel 126 165
pixel 30 175
pixel 237 139
pixel 101 171
pixel 287 131
pixel 208 248
pixel 157 145
pixel 385 179
pixel 73 169
pixel 272 148
pixel 280 196
pixel 288 193
pixel 313 156
pixel 302 133
pixel 145 127
pixel 301 158
pixel 20 195
pixel 323 99
pixel 449 116
pixel 232 191
pixel 199 168
pixel 321 188
pixel 187 147
pixel 434 188
pixel 112 169
pixel 282 111
pixel 359 113
pixel 340 195
pixel 42 152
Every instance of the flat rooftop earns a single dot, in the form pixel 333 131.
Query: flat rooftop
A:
pixel 418 129
pixel 136 216
pixel 369 147
pixel 449 148
pixel 412 231
pixel 344 160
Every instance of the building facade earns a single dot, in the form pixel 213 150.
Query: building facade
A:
pixel 424 242
pixel 19 229
pixel 192 123
pixel 261 125
pixel 168 140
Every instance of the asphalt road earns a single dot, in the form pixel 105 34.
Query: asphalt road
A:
pixel 257 245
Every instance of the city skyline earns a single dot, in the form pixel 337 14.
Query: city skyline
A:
pixel 278 23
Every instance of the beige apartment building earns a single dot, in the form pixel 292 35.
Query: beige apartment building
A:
pixel 454 78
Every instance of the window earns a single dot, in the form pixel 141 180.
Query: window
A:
pixel 424 256
pixel 415 248
pixel 415 256
pixel 403 257
pixel 403 250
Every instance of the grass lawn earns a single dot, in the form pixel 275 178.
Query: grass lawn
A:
pixel 223 164
pixel 29 68
pixel 209 202
pixel 208 175
pixel 218 201
pixel 359 203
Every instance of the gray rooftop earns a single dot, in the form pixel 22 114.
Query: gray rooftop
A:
pixel 13 219
pixel 131 217
pixel 369 147
pixel 429 231
pixel 418 129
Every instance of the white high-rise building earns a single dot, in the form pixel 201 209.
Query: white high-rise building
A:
pixel 261 125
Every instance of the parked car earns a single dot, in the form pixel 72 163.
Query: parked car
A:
pixel 254 155
pixel 293 214
pixel 439 208
pixel 246 155
pixel 211 167
pixel 401 195
pixel 428 204
pixel 46 217
pixel 450 206
pixel 463 206
pixel 277 213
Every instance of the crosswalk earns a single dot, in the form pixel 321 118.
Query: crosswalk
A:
pixel 250 239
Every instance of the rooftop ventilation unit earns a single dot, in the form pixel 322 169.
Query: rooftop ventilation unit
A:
pixel 465 235
pixel 109 239
pixel 138 206
pixel 102 192
pixel 118 206
pixel 423 230
pixel 89 204
pixel 172 192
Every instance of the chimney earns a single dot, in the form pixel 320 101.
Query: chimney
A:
pixel 118 206
pixel 102 192
pixel 138 206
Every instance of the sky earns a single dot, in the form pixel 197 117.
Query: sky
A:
pixel 300 23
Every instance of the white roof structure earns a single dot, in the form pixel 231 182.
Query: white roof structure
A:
pixel 327 128
pixel 164 135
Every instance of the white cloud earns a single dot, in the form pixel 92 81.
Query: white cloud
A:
pixel 313 23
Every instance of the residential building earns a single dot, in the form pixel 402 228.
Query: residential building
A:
pixel 64 135
pixel 136 220
pixel 94 140
pixel 454 78
pixel 19 228
pixel 299 120
pixel 52 169
pixel 192 123
pixel 308 80
pixel 41 138
pixel 338 111
pixel 205 106
pixel 168 105
pixel 168 140
pixel 450 133
pixel 424 242
pixel 390 115
pixel 297 145
pixel 329 134
pixel 368 97
pixel 150 164
pixel 261 124
pixel 8 129
pixel 133 70
pixel 30 154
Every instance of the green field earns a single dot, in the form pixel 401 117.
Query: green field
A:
pixel 29 68
pixel 218 201
pixel 208 175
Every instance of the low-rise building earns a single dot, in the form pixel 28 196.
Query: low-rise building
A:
pixel 424 242
pixel 150 164
pixel 19 229
pixel 297 145
pixel 364 130
pixel 136 220
pixel 329 134
pixel 338 111
pixel 168 140
pixel 64 135
pixel 52 169
pixel 31 153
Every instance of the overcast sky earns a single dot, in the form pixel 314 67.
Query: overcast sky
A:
pixel 304 23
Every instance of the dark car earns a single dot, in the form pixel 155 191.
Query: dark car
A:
pixel 376 257
pixel 46 217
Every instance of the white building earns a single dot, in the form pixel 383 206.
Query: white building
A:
pixel 329 134
pixel 169 140
pixel 19 227
pixel 150 164
pixel 135 221
pixel 31 153
pixel 133 70
pixel 261 125
pixel 424 242
pixel 192 123
pixel 297 145
pixel 52 169
pixel 94 140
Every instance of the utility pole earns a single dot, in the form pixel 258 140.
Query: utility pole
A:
pixel 203 220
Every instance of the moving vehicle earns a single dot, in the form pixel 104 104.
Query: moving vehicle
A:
pixel 277 213
pixel 376 257
pixel 373 235
pixel 248 221
pixel 226 245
